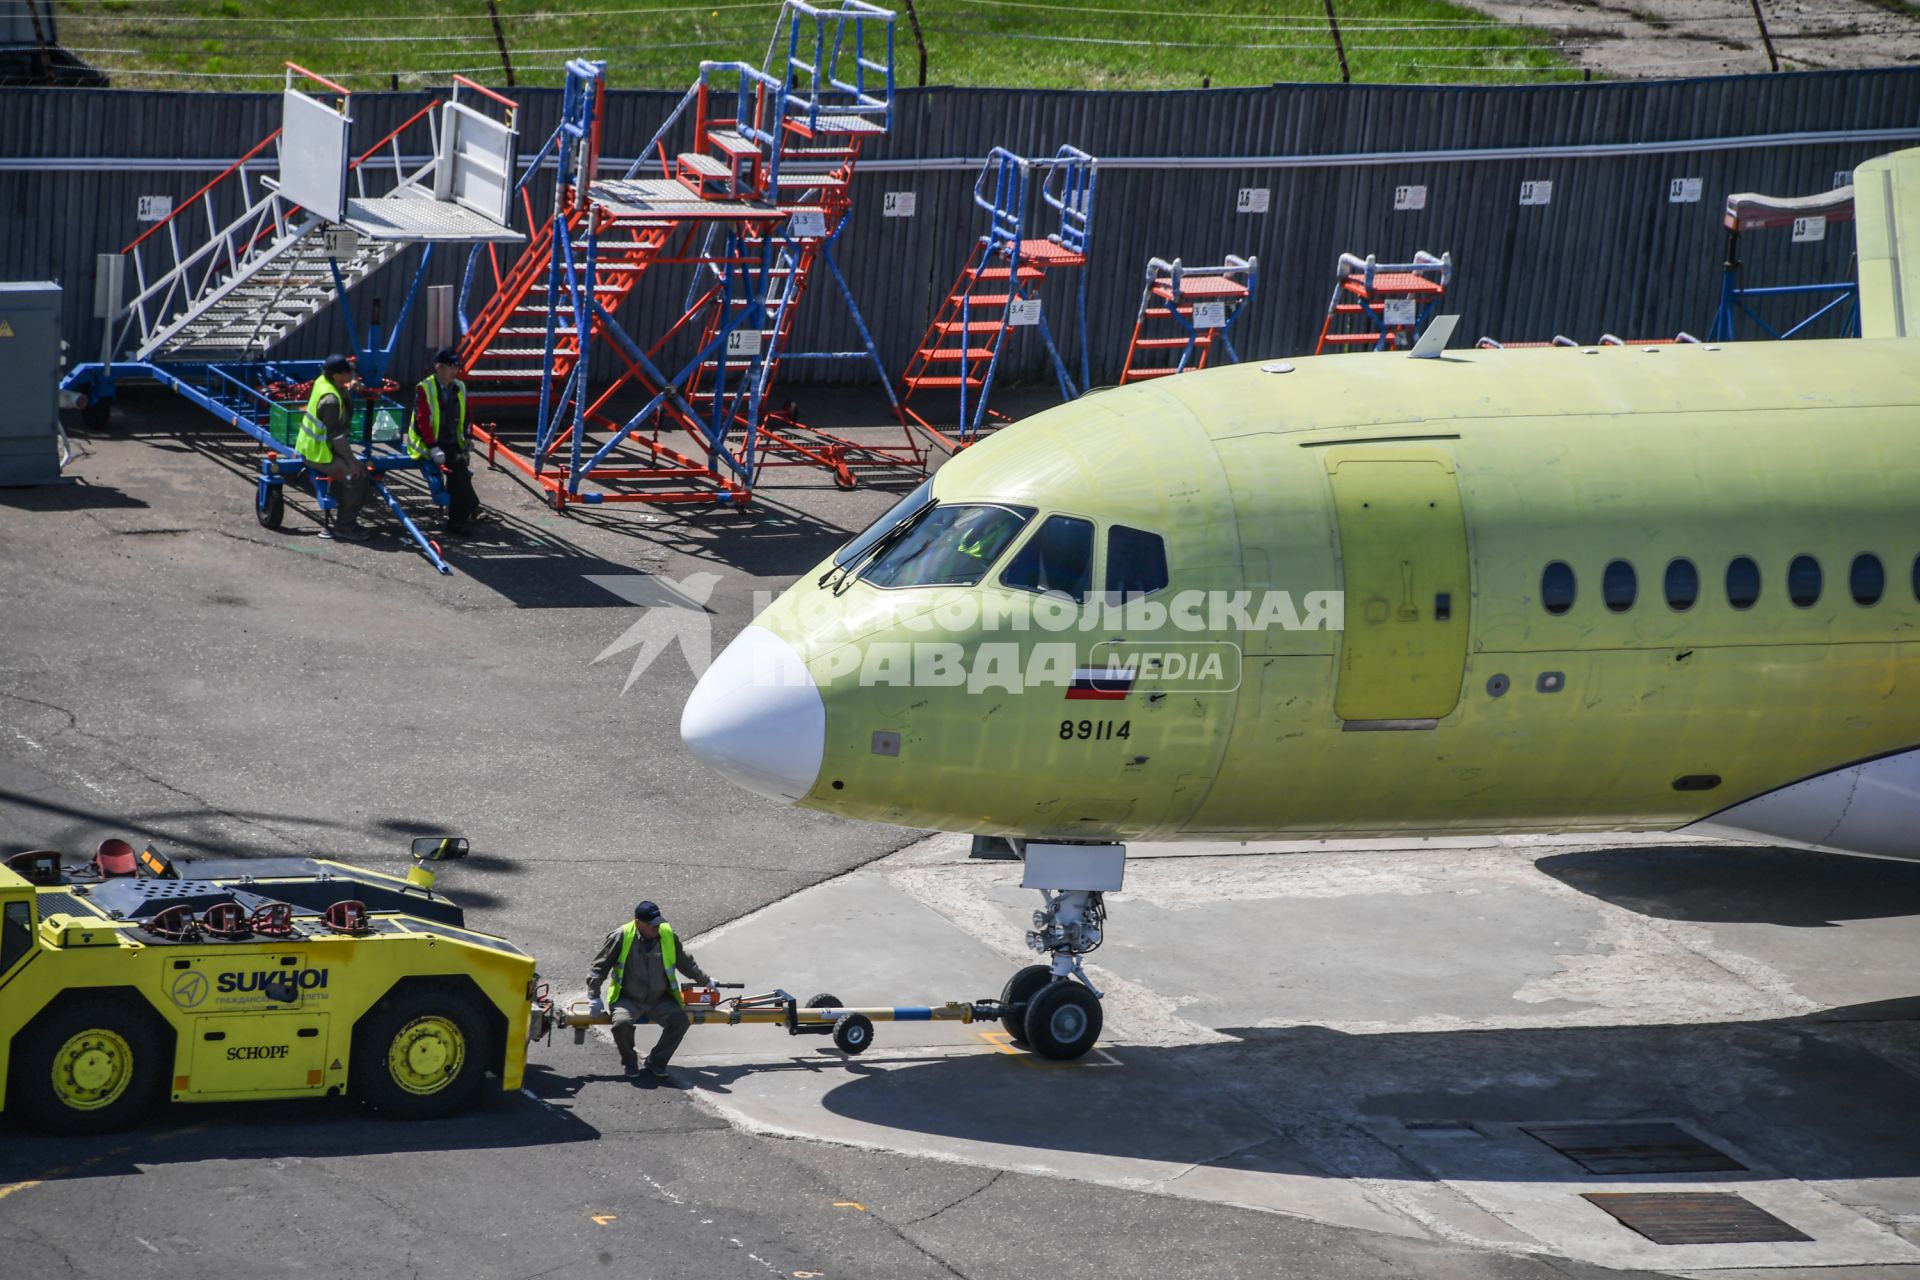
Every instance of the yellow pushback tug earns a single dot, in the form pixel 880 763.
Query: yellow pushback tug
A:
pixel 132 979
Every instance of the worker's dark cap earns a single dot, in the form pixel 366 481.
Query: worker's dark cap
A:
pixel 647 913
pixel 338 363
pixel 445 355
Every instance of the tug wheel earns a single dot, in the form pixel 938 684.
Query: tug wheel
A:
pixel 1063 1020
pixel 87 1068
pixel 853 1033
pixel 271 508
pixel 824 1001
pixel 1021 988
pixel 419 1055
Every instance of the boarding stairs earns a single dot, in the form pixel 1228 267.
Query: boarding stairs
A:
pixel 1183 312
pixel 1380 306
pixel 1000 289
pixel 300 241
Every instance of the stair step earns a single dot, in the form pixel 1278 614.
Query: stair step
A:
pixel 956 353
pixel 823 180
pixel 1351 339
pixel 705 166
pixel 948 328
pixel 1136 374
pixel 732 143
pixel 980 299
pixel 1162 344
pixel 1001 273
pixel 939 380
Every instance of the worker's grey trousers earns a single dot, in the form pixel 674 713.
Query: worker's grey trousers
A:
pixel 665 1013
pixel 350 494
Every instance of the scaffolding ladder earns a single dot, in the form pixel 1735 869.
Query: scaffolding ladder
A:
pixel 1001 289
pixel 1380 306
pixel 1183 312
pixel 746 209
pixel 1748 211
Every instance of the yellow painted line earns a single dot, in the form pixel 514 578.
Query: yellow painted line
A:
pixel 602 1219
pixel 849 1204
pixel 12 1187
pixel 1003 1043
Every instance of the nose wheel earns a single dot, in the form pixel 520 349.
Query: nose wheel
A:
pixel 1054 1009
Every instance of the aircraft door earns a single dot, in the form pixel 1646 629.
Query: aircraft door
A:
pixel 1403 548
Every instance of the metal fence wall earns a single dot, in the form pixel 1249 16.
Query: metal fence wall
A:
pixel 1609 253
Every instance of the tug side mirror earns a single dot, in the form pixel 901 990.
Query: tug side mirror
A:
pixel 439 848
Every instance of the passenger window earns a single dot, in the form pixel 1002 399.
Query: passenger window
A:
pixel 1743 583
pixel 1683 585
pixel 1867 579
pixel 950 547
pixel 1619 585
pixel 1136 562
pixel 1803 582
pixel 1057 560
pixel 16 934
pixel 1556 587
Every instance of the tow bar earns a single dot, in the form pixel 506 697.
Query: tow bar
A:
pixel 823 1015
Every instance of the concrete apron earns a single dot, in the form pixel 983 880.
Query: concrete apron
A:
pixel 1358 1032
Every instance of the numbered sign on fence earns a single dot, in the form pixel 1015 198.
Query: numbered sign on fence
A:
pixel 1536 192
pixel 1023 311
pixel 743 342
pixel 1683 191
pixel 1400 311
pixel 1253 200
pixel 900 204
pixel 1814 228
pixel 807 224
pixel 153 208
pixel 342 242
pixel 1209 315
pixel 1406 198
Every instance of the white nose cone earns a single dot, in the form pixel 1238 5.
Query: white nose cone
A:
pixel 757 717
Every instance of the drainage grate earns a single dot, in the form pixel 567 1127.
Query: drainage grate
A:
pixel 1695 1217
pixel 1614 1149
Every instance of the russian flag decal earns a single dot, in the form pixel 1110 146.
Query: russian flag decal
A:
pixel 1100 684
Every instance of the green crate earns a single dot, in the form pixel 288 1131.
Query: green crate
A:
pixel 283 423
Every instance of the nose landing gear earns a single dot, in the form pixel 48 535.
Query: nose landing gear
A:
pixel 1053 1008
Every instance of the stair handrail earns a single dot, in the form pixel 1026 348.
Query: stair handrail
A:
pixel 1007 206
pixel 822 70
pixel 1068 190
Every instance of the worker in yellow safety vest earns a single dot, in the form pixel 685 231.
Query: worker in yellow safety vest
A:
pixel 325 444
pixel 437 437
pixel 638 961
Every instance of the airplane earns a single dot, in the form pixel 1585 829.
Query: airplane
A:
pixel 1656 588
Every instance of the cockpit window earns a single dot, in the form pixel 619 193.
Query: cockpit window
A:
pixel 951 547
pixel 1056 560
pixel 880 528
pixel 1136 562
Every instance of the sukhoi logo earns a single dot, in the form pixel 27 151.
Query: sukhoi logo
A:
pixel 271 982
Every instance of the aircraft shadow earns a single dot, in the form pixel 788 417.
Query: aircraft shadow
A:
pixel 1719 884
pixel 1816 1097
